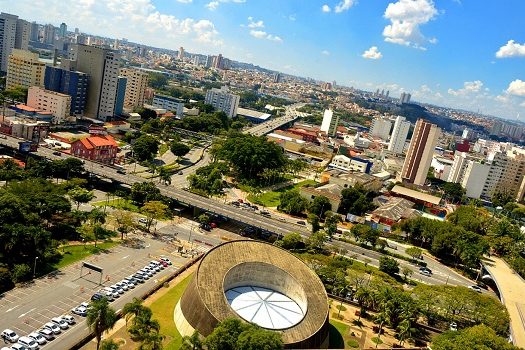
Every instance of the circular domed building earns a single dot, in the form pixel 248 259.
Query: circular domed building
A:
pixel 258 283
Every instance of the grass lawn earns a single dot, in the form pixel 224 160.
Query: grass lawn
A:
pixel 271 199
pixel 163 312
pixel 74 253
pixel 119 203
pixel 163 148
pixel 338 334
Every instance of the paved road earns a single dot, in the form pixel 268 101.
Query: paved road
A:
pixel 275 123
pixel 25 309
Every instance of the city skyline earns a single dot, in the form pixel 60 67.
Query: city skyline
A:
pixel 451 53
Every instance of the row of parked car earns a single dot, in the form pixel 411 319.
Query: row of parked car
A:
pixel 47 333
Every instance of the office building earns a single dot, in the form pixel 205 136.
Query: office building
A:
pixel 72 83
pixel 381 128
pixel 35 32
pixel 135 86
pixel 63 30
pixel 24 69
pixel 101 65
pixel 209 61
pixel 405 97
pixel 49 34
pixel 7 38
pixel 121 95
pixel 399 135
pixel 49 101
pixel 23 32
pixel 330 122
pixel 223 100
pixel 420 152
pixel 169 104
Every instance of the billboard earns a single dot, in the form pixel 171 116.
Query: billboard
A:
pixel 24 146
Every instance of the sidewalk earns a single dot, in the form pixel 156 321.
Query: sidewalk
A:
pixel 512 290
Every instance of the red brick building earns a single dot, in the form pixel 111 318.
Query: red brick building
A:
pixel 99 148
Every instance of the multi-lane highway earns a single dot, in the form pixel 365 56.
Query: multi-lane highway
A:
pixel 275 123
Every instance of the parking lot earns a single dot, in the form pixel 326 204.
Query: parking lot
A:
pixel 26 309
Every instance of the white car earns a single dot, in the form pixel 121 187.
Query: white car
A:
pixel 69 319
pixel 143 220
pixel 85 304
pixel 38 338
pixel 10 335
pixel 80 310
pixel 60 322
pixel 109 294
pixel 153 267
pixel 129 283
pixel 475 288
pixel 122 285
pixel 166 260
pixel 117 289
pixel 53 327
pixel 19 346
pixel 46 333
pixel 453 326
pixel 28 343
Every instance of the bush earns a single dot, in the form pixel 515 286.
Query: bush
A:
pixel 21 273
pixel 388 265
pixel 5 280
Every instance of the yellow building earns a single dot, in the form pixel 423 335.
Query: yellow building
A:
pixel 135 87
pixel 24 69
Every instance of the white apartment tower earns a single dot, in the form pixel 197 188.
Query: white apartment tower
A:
pixel 330 122
pixel 7 38
pixel 399 135
pixel 223 100
pixel 381 128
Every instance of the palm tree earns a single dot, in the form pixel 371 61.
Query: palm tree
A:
pixel 381 319
pixel 100 318
pixel 152 341
pixel 405 331
pixel 133 308
pixel 192 342
pixel 164 176
pixel 365 298
pixel 109 345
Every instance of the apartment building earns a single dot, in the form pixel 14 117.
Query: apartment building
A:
pixel 24 69
pixel 223 100
pixel 137 82
pixel 50 101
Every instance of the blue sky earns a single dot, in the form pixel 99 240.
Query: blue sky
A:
pixel 461 53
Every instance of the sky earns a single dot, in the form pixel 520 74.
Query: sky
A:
pixel 467 54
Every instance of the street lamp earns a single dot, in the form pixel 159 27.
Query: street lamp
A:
pixel 34 267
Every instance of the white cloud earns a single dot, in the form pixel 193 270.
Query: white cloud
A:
pixel 292 18
pixel 326 8
pixel 516 87
pixel 185 1
pixel 343 6
pixel 253 24
pixel 406 16
pixel 372 53
pixel 260 34
pixel 522 104
pixel 511 49
pixel 325 52
pixel 468 88
pixel 213 5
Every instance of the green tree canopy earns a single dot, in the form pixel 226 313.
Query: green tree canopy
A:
pixel 179 149
pixel 388 265
pixel 234 334
pixel 80 195
pixel 291 202
pixel 145 147
pixel 319 206
pixel 142 192
pixel 477 337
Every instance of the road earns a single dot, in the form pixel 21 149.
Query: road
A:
pixel 275 123
pixel 25 309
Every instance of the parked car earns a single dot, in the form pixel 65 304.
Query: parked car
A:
pixel 46 333
pixel 138 277
pixel 163 258
pixel 9 335
pixel 53 327
pixel 475 288
pixel 143 220
pixel 117 289
pixel 453 326
pixel 97 296
pixel 300 222
pixel 57 153
pixel 19 346
pixel 29 343
pixel 69 319
pixel 59 321
pixel 80 310
pixel 163 263
pixel 122 285
pixel 39 338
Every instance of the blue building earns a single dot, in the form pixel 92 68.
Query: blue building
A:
pixel 74 84
pixel 121 92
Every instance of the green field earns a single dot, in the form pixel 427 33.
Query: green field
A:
pixel 271 199
pixel 338 334
pixel 163 312
pixel 74 253
pixel 119 203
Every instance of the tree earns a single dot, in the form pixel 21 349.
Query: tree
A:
pixel 355 200
pixel 365 233
pixel 100 318
pixel 192 342
pixel 124 221
pixel 454 190
pixel 142 192
pixel 406 271
pixel 314 221
pixel 388 265
pixel 501 198
pixel 164 175
pixel 152 341
pixel 317 240
pixel 319 206
pixel 414 252
pixel 477 337
pixel 291 241
pixel 157 80
pixel 291 202
pixel 256 338
pixel 203 219
pixel 109 344
pixel 179 149
pixel 21 272
pixel 225 335
pixel 132 309
pixel 145 147
pixel 80 195
pixel 154 210
pixel 330 223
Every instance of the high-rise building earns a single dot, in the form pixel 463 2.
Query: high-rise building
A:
pixel 101 65
pixel 223 100
pixel 180 56
pixel 121 95
pixel 135 86
pixel 50 101
pixel 330 122
pixel 399 135
pixel 277 77
pixel 405 98
pixel 63 30
pixel 420 152
pixel 169 103
pixel 7 38
pixel 23 31
pixel 24 69
pixel 381 128
pixel 35 32
pixel 209 61
pixel 49 34
pixel 217 62
pixel 72 83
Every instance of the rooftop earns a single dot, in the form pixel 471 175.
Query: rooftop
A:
pixel 425 197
